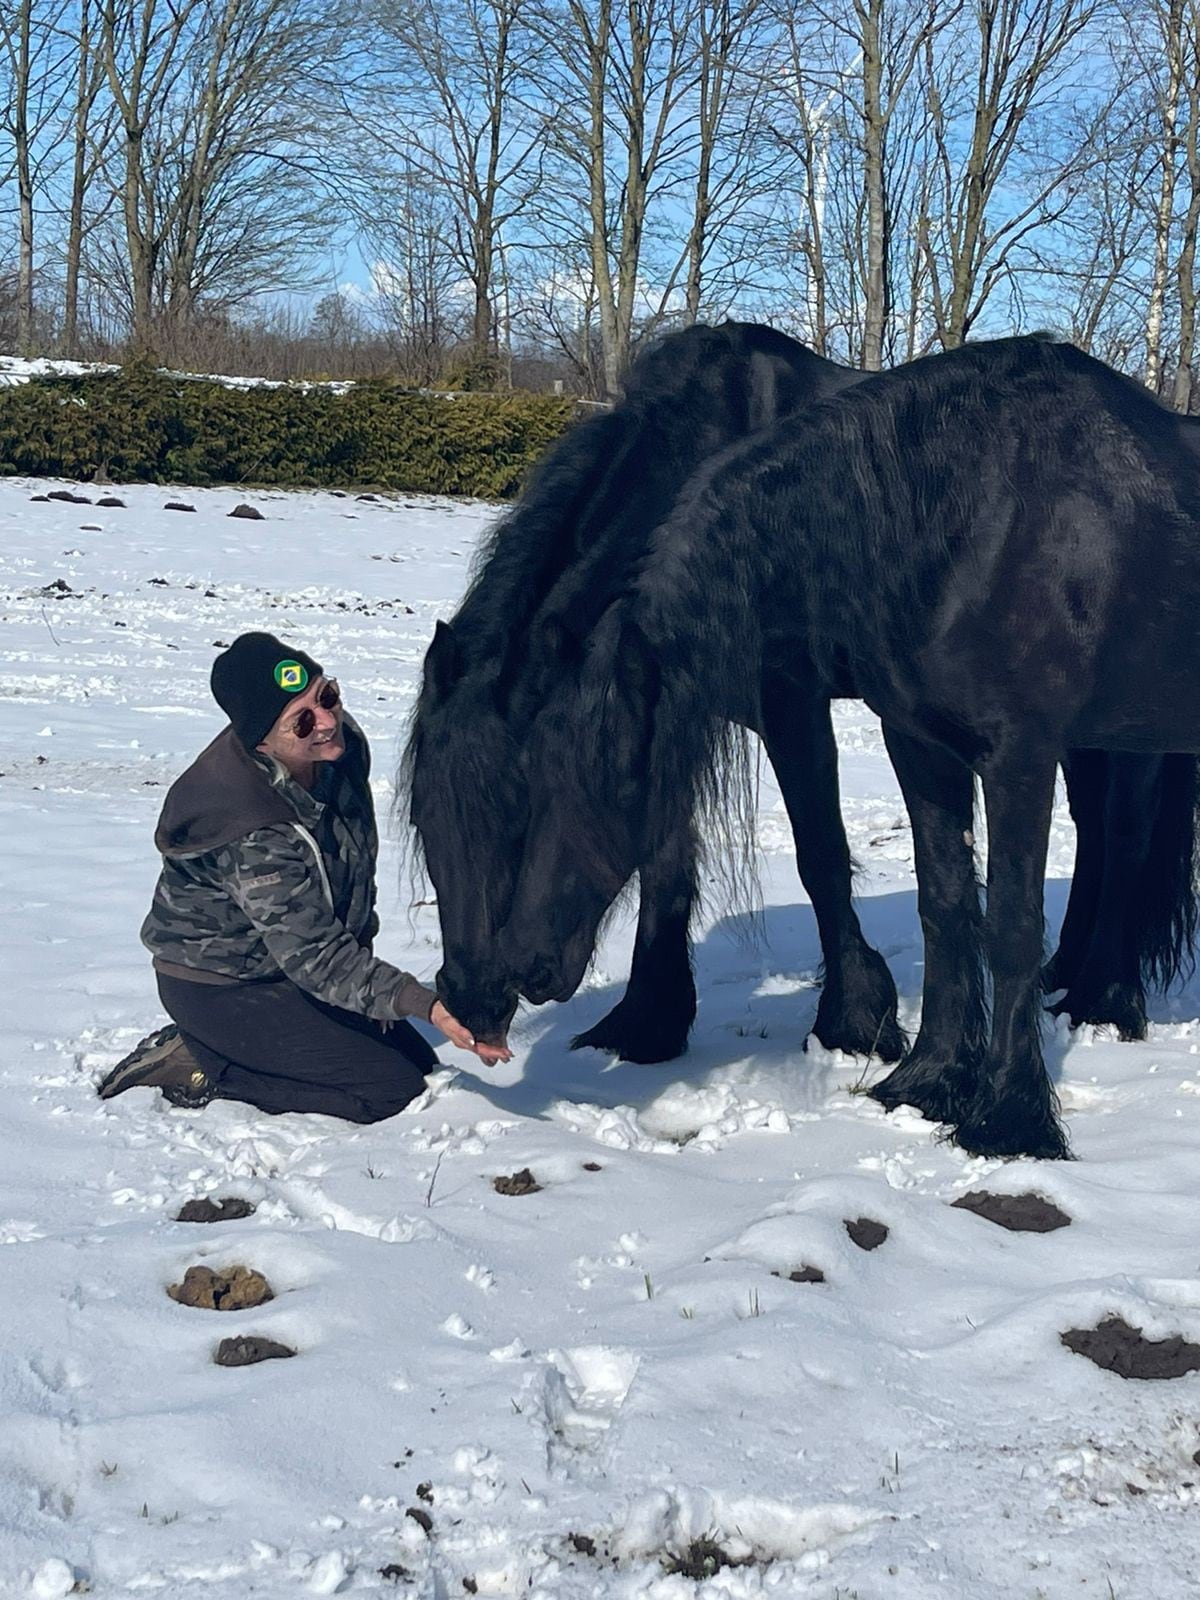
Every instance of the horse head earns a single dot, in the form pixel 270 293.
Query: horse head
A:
pixel 468 807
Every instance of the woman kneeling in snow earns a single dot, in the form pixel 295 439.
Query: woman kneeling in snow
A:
pixel 264 913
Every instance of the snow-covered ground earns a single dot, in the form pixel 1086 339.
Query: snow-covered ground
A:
pixel 570 1385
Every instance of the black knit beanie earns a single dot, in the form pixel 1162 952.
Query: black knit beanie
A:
pixel 254 681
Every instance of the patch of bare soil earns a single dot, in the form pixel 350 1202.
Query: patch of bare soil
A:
pixel 805 1274
pixel 231 1289
pixel 395 1573
pixel 421 1517
pixel 1019 1213
pixel 865 1232
pixel 230 1208
pixel 248 1349
pixel 1119 1348
pixel 703 1558
pixel 522 1182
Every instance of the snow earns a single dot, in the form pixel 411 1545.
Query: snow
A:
pixel 21 369
pixel 609 1358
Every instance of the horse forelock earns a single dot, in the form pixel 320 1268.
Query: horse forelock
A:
pixel 462 767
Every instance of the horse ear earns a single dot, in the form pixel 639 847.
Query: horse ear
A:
pixel 443 665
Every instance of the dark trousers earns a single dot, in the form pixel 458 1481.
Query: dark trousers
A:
pixel 280 1049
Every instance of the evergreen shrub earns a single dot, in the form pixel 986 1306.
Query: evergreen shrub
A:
pixel 141 424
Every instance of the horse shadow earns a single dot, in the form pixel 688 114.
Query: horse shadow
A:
pixel 758 979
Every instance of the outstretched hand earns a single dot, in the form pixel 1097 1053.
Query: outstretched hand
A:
pixel 449 1024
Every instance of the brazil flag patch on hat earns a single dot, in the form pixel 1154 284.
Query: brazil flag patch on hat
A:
pixel 291 677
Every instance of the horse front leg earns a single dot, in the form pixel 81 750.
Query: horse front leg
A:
pixel 940 1074
pixel 857 1008
pixel 652 1020
pixel 1015 1111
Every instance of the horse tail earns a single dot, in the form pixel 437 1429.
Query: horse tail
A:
pixel 1164 916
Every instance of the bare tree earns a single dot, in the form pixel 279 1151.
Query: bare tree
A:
pixel 451 94
pixel 87 138
pixel 419 305
pixel 1185 272
pixel 986 91
pixel 28 49
pixel 621 74
pixel 220 112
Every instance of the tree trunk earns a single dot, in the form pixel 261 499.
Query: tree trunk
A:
pixel 875 307
pixel 1172 25
pixel 24 173
pixel 1186 268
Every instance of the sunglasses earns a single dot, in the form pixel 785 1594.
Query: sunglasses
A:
pixel 305 721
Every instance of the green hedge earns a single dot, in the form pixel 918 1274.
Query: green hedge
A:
pixel 143 425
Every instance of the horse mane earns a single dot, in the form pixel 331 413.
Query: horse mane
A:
pixel 567 548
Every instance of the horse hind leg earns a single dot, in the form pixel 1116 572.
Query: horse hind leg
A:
pixel 1145 889
pixel 939 1075
pixel 1086 774
pixel 857 1008
pixel 652 1020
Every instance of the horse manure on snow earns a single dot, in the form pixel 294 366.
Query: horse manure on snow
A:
pixel 865 1232
pixel 231 1289
pixel 230 1208
pixel 248 1350
pixel 703 1558
pixel 805 1274
pixel 1019 1213
pixel 522 1182
pixel 1119 1348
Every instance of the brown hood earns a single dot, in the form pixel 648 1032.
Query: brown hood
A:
pixel 226 793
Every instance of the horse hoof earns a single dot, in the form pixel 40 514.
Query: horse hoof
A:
pixel 885 1039
pixel 1005 1131
pixel 939 1092
pixel 1119 1006
pixel 642 1046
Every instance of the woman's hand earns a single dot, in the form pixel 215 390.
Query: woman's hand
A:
pixel 448 1024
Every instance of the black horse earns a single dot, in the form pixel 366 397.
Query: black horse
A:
pixel 999 550
pixel 546 576
pixel 553 565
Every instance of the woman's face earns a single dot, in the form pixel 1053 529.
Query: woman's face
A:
pixel 309 730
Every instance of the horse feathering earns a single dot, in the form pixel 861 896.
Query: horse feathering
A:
pixel 638 748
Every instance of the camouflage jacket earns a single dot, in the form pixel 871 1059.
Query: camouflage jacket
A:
pixel 262 879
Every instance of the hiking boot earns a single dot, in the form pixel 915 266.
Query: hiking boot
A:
pixel 161 1061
